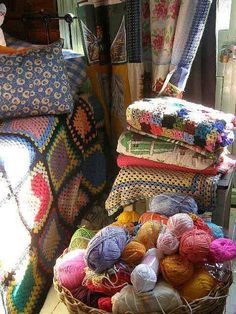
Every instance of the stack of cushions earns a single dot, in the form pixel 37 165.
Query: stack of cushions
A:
pixel 121 272
pixel 171 145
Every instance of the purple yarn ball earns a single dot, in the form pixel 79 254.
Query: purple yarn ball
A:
pixel 105 248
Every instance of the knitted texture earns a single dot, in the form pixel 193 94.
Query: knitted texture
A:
pixel 136 183
pixel 183 121
pixel 51 169
pixel 168 152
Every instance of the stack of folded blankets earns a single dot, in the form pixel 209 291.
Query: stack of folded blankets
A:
pixel 172 145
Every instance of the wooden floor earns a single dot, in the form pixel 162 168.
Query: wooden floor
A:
pixel 54 306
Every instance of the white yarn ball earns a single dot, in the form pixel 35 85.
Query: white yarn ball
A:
pixel 143 278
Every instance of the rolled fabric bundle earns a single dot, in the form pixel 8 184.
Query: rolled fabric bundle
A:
pixel 162 299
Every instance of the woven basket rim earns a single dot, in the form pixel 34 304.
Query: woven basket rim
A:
pixel 220 292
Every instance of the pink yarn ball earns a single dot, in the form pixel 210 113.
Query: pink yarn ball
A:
pixel 70 269
pixel 195 245
pixel 180 223
pixel 222 250
pixel 167 243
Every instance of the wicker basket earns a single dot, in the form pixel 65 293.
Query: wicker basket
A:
pixel 214 303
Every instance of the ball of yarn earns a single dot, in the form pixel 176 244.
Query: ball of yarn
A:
pixel 176 270
pixel 153 216
pixel 128 216
pixel 180 223
pixel 86 296
pixel 143 278
pixel 128 226
pixel 133 253
pixel 105 248
pixel 200 224
pixel 107 283
pixel 216 230
pixel 105 304
pixel 167 243
pixel 222 250
pixel 195 245
pixel 148 234
pixel 162 299
pixel 70 269
pixel 169 204
pixel 81 238
pixel 198 286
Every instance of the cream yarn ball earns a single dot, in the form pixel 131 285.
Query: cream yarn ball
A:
pixel 163 299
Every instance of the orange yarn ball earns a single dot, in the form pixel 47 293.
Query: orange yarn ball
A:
pixel 195 245
pixel 153 216
pixel 128 216
pixel 198 286
pixel 133 253
pixel 176 270
pixel 148 234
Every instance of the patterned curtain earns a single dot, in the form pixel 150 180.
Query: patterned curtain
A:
pixel 139 48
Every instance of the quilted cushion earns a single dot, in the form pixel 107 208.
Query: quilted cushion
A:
pixel 34 82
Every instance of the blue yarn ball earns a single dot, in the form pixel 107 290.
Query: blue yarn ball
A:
pixel 169 204
pixel 216 230
pixel 105 248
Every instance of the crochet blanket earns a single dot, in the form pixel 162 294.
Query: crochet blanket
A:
pixel 136 183
pixel 166 151
pixel 130 161
pixel 183 121
pixel 51 169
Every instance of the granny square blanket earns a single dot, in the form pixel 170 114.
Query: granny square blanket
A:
pixel 52 169
pixel 183 121
pixel 136 183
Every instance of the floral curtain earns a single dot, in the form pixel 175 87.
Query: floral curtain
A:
pixel 139 49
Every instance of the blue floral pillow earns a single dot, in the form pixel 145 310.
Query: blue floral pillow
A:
pixel 34 83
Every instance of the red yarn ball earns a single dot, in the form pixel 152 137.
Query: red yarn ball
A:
pixel 115 283
pixel 86 296
pixel 201 225
pixel 105 304
pixel 195 245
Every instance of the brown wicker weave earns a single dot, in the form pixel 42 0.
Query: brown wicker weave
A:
pixel 214 303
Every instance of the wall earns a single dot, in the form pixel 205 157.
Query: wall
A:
pixel 30 30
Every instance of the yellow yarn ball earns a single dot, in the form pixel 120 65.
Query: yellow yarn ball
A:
pixel 198 286
pixel 129 216
pixel 176 270
pixel 133 253
pixel 148 234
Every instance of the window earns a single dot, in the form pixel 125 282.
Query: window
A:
pixel 64 7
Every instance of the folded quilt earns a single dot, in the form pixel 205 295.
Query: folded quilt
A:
pixel 136 183
pixel 129 161
pixel 184 121
pixel 159 150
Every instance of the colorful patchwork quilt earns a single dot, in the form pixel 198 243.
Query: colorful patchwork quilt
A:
pixel 183 121
pixel 51 170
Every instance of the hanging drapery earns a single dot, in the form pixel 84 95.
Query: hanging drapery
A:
pixel 139 48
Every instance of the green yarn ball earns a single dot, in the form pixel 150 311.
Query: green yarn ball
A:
pixel 81 238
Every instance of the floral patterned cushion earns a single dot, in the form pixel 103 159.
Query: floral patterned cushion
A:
pixel 34 82
pixel 183 121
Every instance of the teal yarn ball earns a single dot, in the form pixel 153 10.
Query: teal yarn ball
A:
pixel 216 230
